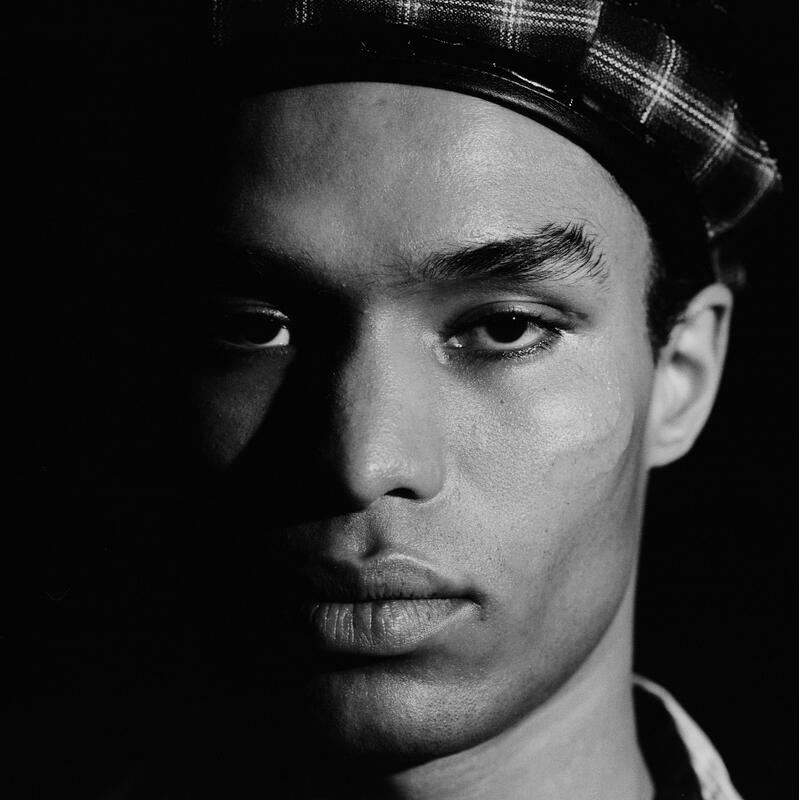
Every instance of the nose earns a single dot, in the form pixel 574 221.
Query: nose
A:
pixel 384 435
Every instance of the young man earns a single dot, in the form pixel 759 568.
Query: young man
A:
pixel 462 291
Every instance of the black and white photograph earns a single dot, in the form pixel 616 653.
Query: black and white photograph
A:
pixel 408 400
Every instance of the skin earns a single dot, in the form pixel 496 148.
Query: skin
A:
pixel 522 478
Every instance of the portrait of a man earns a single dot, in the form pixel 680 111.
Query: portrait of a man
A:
pixel 394 310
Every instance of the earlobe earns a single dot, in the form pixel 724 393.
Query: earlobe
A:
pixel 687 375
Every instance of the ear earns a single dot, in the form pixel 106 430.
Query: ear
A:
pixel 687 375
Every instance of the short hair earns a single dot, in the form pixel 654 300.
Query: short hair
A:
pixel 671 286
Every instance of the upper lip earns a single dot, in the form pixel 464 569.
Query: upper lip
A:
pixel 390 577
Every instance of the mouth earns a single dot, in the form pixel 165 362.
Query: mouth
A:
pixel 385 607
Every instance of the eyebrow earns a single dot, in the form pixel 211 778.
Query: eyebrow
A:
pixel 559 253
pixel 556 252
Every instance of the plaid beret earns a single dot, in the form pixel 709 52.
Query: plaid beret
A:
pixel 598 71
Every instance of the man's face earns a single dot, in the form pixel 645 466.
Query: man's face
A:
pixel 443 442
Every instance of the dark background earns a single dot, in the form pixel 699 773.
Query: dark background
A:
pixel 93 552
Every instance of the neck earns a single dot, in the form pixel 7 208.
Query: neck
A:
pixel 581 744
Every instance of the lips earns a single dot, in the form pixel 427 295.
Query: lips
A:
pixel 383 607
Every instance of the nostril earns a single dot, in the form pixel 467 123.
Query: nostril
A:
pixel 407 494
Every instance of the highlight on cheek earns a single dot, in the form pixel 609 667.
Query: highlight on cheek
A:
pixel 589 432
pixel 592 460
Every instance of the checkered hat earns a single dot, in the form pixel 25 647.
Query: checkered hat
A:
pixel 601 72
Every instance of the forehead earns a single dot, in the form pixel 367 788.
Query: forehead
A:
pixel 375 173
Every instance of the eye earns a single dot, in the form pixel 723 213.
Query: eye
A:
pixel 248 327
pixel 505 332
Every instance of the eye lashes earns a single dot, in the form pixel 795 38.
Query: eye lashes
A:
pixel 548 331
pixel 550 338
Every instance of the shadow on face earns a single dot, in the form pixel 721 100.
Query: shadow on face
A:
pixel 420 374
pixel 409 357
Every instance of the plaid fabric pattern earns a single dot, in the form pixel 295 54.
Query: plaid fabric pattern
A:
pixel 624 62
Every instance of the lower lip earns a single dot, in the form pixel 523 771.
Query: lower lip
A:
pixel 382 627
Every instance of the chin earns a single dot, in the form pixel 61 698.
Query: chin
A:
pixel 388 718
pixel 391 714
pixel 390 723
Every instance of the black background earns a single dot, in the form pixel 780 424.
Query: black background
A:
pixel 716 621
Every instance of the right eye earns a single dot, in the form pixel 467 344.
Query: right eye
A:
pixel 249 327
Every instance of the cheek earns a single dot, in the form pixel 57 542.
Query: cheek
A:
pixel 557 485
pixel 558 473
pixel 585 432
pixel 229 408
pixel 555 432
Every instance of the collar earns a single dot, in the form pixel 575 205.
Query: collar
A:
pixel 682 762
